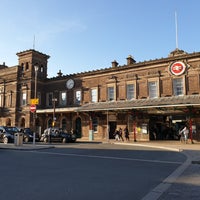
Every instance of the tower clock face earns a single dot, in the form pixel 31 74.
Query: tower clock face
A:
pixel 70 84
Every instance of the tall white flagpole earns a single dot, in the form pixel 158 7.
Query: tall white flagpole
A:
pixel 176 24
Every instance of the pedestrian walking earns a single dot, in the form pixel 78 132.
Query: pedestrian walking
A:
pixel 184 134
pixel 116 135
pixel 120 134
pixel 49 134
pixel 126 133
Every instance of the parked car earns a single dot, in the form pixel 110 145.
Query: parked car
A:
pixel 28 134
pixel 57 135
pixel 7 134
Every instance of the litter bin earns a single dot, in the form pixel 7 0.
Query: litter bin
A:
pixel 18 139
pixel 91 135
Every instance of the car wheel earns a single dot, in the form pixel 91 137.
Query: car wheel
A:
pixel 45 139
pixel 5 140
pixel 26 139
pixel 64 140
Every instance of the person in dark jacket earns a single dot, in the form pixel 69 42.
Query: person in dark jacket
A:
pixel 120 134
pixel 126 133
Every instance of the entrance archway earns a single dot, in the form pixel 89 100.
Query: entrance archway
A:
pixel 64 124
pixel 112 128
pixel 22 123
pixel 78 127
pixel 8 122
pixel 49 123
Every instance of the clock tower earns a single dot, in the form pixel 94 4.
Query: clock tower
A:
pixel 27 61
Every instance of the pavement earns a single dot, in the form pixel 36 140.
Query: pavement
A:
pixel 182 184
pixel 28 146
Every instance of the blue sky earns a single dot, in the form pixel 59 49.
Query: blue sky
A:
pixel 85 35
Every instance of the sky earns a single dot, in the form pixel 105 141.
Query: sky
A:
pixel 87 35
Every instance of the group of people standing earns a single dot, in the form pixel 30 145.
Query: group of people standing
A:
pixel 119 134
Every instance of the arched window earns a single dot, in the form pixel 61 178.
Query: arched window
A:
pixel 22 123
pixel 22 65
pixel 27 66
pixel 64 124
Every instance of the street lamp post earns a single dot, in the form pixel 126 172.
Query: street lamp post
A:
pixel 36 73
pixel 54 109
pixel 108 127
pixel 35 96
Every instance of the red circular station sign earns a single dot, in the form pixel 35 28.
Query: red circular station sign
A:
pixel 177 68
pixel 33 108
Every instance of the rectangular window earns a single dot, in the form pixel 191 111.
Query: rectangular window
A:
pixel 111 93
pixel 153 89
pixel 95 124
pixel 49 98
pixel 130 91
pixel 9 100
pixel 63 98
pixel 94 94
pixel 24 99
pixel 178 86
pixel 78 97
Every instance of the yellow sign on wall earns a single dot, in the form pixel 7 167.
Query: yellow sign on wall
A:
pixel 34 101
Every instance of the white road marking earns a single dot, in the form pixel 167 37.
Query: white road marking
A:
pixel 176 149
pixel 107 157
pixel 167 183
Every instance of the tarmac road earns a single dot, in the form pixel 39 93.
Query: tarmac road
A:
pixel 183 183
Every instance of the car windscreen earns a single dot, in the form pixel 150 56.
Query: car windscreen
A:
pixel 11 129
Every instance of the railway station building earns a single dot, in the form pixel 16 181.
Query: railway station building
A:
pixel 154 98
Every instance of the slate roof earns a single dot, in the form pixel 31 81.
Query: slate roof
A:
pixel 162 102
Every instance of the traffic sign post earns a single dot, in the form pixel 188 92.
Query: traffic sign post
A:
pixel 33 108
pixel 34 101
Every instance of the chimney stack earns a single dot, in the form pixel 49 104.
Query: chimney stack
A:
pixel 115 63
pixel 130 60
